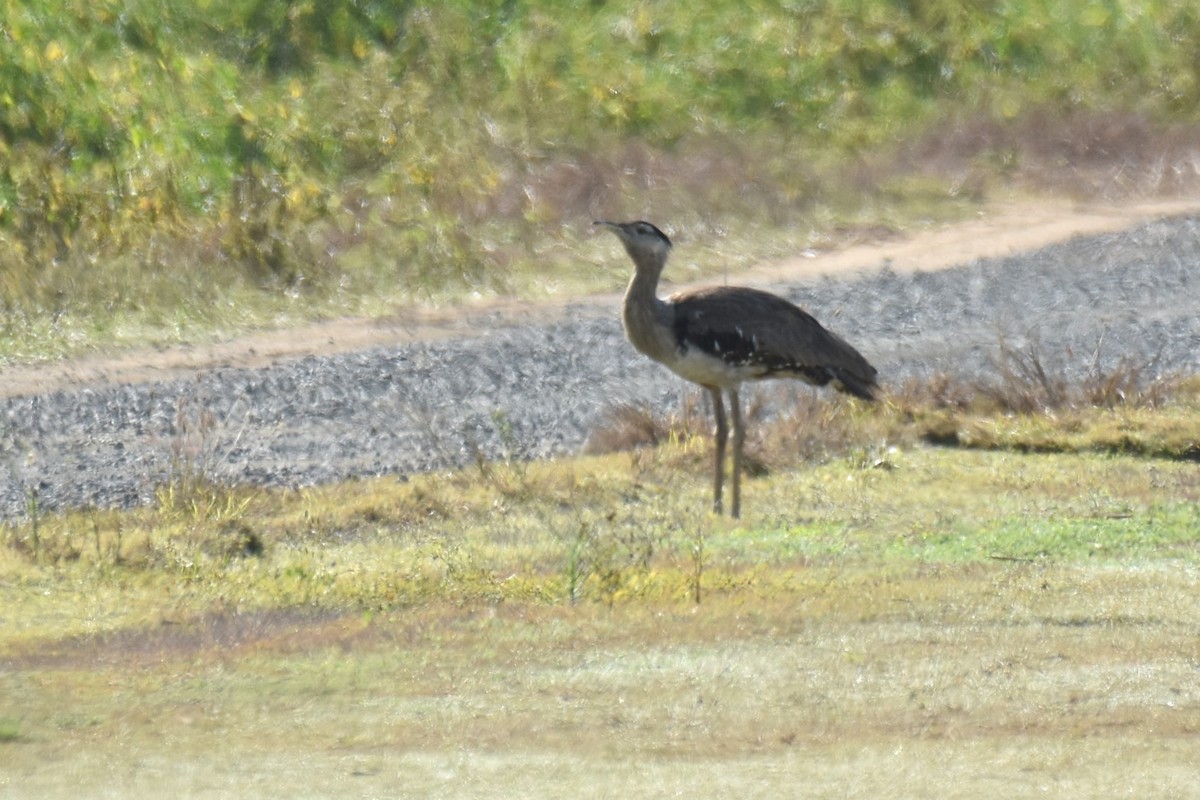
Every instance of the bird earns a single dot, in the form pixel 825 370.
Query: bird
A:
pixel 722 336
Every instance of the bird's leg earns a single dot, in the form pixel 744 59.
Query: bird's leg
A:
pixel 722 434
pixel 739 436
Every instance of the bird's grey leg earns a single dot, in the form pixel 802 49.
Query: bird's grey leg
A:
pixel 722 435
pixel 739 436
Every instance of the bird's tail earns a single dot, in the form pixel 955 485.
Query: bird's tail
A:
pixel 846 381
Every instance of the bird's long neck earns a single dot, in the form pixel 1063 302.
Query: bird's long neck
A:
pixel 646 318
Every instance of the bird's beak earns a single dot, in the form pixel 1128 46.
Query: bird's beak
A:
pixel 612 226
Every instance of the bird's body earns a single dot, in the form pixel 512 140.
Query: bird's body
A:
pixel 722 336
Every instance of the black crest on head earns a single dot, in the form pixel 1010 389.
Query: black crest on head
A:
pixel 643 227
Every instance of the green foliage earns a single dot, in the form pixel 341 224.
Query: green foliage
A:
pixel 161 155
pixel 10 730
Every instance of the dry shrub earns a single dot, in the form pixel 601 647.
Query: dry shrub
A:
pixel 1028 383
pixel 1086 153
pixel 788 424
pixel 808 426
pixel 629 426
pixel 1024 386
pixel 626 427
pixel 785 424
pixel 1129 383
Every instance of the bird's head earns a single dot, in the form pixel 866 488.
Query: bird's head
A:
pixel 644 242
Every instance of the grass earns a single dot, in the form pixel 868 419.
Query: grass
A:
pixel 618 523
pixel 182 172
pixel 892 619
pixel 1012 614
pixel 1002 676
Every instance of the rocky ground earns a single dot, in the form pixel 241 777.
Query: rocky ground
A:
pixel 528 385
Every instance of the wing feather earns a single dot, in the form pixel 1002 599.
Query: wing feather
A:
pixel 755 329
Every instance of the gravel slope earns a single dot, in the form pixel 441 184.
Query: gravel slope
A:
pixel 537 390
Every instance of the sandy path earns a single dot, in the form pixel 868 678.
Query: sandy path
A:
pixel 1001 230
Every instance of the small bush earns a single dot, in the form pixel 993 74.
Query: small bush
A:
pixel 1029 383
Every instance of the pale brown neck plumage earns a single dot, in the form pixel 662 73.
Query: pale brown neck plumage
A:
pixel 647 318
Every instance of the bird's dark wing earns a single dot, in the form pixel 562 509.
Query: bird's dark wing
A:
pixel 755 329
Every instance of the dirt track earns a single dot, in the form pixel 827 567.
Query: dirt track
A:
pixel 1002 231
pixel 356 397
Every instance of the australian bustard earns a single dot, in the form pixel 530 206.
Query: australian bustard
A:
pixel 722 336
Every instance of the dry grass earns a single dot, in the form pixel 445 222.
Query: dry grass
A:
pixel 889 620
pixel 1087 153
pixel 1030 404
pixel 1027 383
pixel 986 681
pixel 629 427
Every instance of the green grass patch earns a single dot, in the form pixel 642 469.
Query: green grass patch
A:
pixel 1079 675
pixel 612 530
pixel 1171 433
pixel 537 628
pixel 10 730
pixel 1115 536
